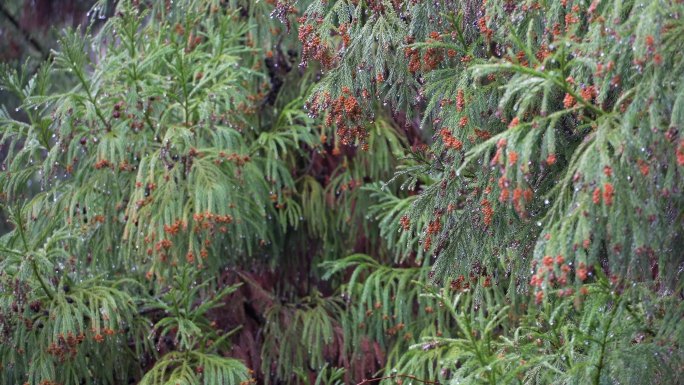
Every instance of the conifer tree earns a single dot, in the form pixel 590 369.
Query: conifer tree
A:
pixel 552 177
pixel 328 192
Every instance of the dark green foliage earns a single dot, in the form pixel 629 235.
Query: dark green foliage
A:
pixel 441 192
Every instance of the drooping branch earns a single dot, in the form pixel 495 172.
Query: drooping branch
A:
pixel 409 376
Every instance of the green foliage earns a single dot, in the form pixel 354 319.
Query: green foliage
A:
pixel 185 319
pixel 442 192
pixel 380 297
pixel 300 335
pixel 576 124
pixel 194 367
pixel 555 144
pixel 143 165
pixel 59 321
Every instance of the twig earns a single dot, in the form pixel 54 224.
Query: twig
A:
pixel 409 376
pixel 34 265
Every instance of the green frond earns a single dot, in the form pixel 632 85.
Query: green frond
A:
pixel 193 368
